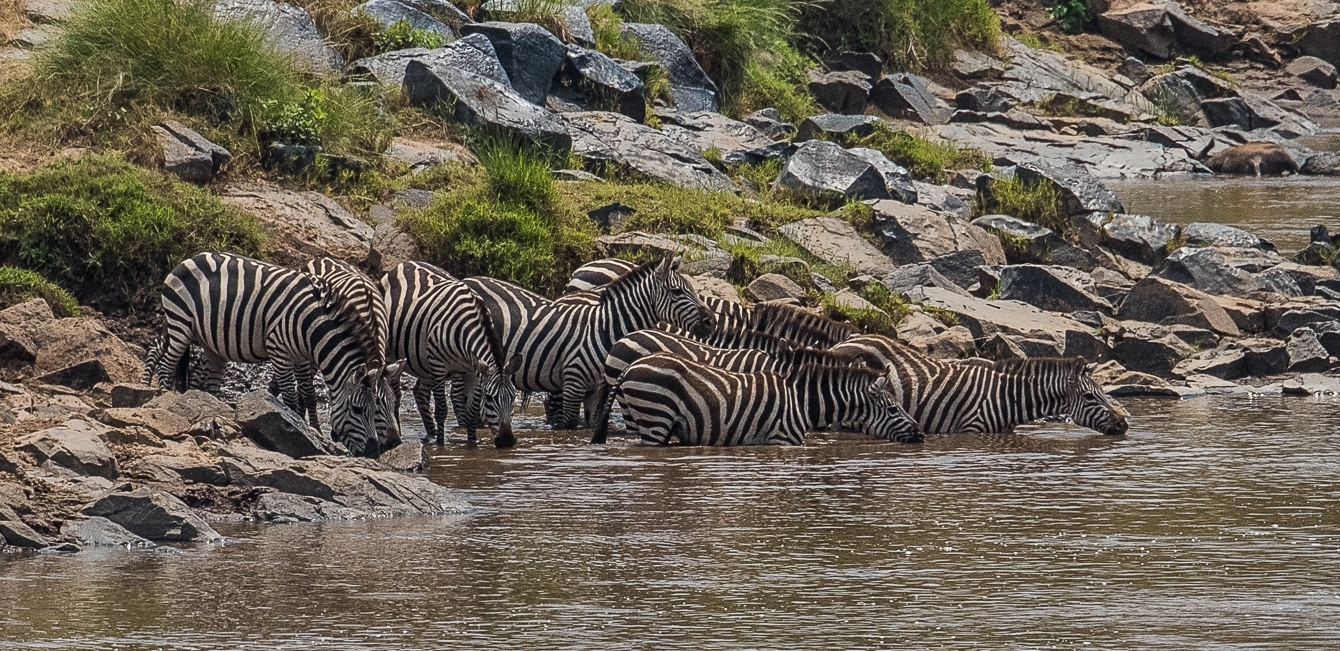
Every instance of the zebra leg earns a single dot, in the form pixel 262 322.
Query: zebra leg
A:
pixel 462 402
pixel 216 368
pixel 574 395
pixel 303 376
pixel 174 364
pixel 603 399
pixel 423 400
pixel 288 388
pixel 440 411
pixel 553 407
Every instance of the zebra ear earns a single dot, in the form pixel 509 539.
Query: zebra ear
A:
pixel 1090 367
pixel 513 365
pixel 880 384
pixel 391 372
pixel 674 262
pixel 369 376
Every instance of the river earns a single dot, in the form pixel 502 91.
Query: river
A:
pixel 1215 524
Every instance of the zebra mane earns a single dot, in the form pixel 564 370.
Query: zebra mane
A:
pixel 798 356
pixel 1071 365
pixel 364 332
pixel 631 278
pixel 490 335
pixel 763 316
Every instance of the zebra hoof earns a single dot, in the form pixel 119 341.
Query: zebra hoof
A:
pixel 502 441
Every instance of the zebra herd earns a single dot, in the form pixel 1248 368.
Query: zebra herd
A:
pixel 683 367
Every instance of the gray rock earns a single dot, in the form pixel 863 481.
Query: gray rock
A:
pixel 1291 320
pixel 1306 354
pixel 1138 237
pixel 1280 282
pixel 421 155
pixel 960 267
pixel 1198 338
pixel 75 445
pixel 281 508
pixel 1135 70
pixel 692 89
pixel 909 276
pixel 390 12
pixel 1227 363
pixel 1265 356
pixel 1311 384
pixel 1250 113
pixel 481 101
pixel 101 532
pixel 735 141
pixel 1013 119
pixel 896 178
pixel 409 456
pixel 153 515
pixel 287 28
pixel 906 96
pixel 1153 355
pixel 132 395
pixel 80 377
pixel 836 242
pixel 1155 300
pixel 189 155
pixel 529 53
pixel 825 170
pixel 973 65
pixel 948 200
pixel 16 348
pixel 845 92
pixel 472 54
pixel 1325 164
pixel 1211 234
pixel 1207 270
pixel 1055 289
pixel 1328 333
pixel 1144 27
pixel 602 139
pixel 303 225
pixel 1321 40
pixel 1198 37
pixel 1182 91
pixel 911 233
pixel 1000 347
pixel 1080 191
pixel 1314 71
pixel 774 287
pixel 194 405
pixel 361 484
pixel 265 420
pixel 983 99
pixel 602 83
pixel 835 126
pixel 955 343
pixel 769 122
pixel 14 532
pixel 1025 242
pixel 985 318
pixel 49 11
pixel 866 63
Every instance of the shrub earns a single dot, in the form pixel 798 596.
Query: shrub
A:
pixel 923 158
pixel 19 285
pixel 402 35
pixel 1072 15
pixel 110 231
pixel 908 34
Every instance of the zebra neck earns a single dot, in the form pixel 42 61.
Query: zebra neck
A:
pixel 624 313
pixel 824 395
pixel 1022 398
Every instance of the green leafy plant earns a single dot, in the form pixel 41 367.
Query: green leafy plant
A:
pixel 295 122
pixel 19 285
pixel 1071 15
pixel 402 35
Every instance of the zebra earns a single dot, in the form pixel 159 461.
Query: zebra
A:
pixel 980 396
pixel 244 310
pixel 365 297
pixel 642 343
pixel 445 335
pixel 666 396
pixel 598 273
pixel 563 346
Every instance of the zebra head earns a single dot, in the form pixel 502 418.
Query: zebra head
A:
pixel 1089 406
pixel 885 417
pixel 353 413
pixel 386 418
pixel 499 396
pixel 675 300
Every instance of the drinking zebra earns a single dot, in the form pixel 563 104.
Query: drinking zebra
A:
pixel 643 343
pixel 666 397
pixel 243 310
pixel 445 335
pixel 949 396
pixel 563 346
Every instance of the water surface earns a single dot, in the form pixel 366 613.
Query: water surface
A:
pixel 1215 524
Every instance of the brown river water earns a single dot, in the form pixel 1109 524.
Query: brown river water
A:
pixel 1215 524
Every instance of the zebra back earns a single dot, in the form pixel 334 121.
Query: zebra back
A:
pixel 362 299
pixel 789 322
pixel 734 338
pixel 598 273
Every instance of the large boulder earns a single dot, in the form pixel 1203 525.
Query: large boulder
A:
pixel 273 426
pixel 529 53
pixel 602 84
pixel 389 12
pixel 1212 234
pixel 361 484
pixel 473 54
pixel 1323 164
pixel 1144 27
pixel 825 170
pixel 1032 76
pixel 287 28
pixel 1026 242
pixel 845 92
pixel 153 515
pixel 907 96
pixel 774 287
pixel 1055 289
pixel 1249 113
pixel 1156 300
pixel 836 242
pixel 481 101
pixel 1321 40
pixel 735 141
pixel 76 446
pixel 602 138
pixel 912 233
pixel 910 276
pixel 1138 237
pixel 1150 351
pixel 1198 37
pixel 304 225
pixel 77 350
pixel 690 86
pixel 960 267
pixel 770 123
pixel 896 178
pixel 187 154
pixel 1080 191
pixel 1313 71
pixel 1206 269
pixel 1182 91
pixel 1306 354
pixel 985 318
pixel 834 126
pixel 101 532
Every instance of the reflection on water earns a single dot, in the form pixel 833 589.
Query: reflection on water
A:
pixel 1214 524
pixel 1282 210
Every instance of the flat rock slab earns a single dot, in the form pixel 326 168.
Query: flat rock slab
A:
pixel 101 532
pixel 914 233
pixel 985 318
pixel 735 141
pixel 603 138
pixel 153 515
pixel 1103 157
pixel 304 225
pixel 836 242
pixel 76 446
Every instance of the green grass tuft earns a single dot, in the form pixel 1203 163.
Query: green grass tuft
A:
pixel 1039 203
pixel 110 231
pixel 923 158
pixel 908 34
pixel 20 285
pixel 403 35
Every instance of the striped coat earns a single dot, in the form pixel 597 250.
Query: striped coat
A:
pixel 563 346
pixel 444 334
pixel 668 397
pixel 246 311
pixel 977 396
